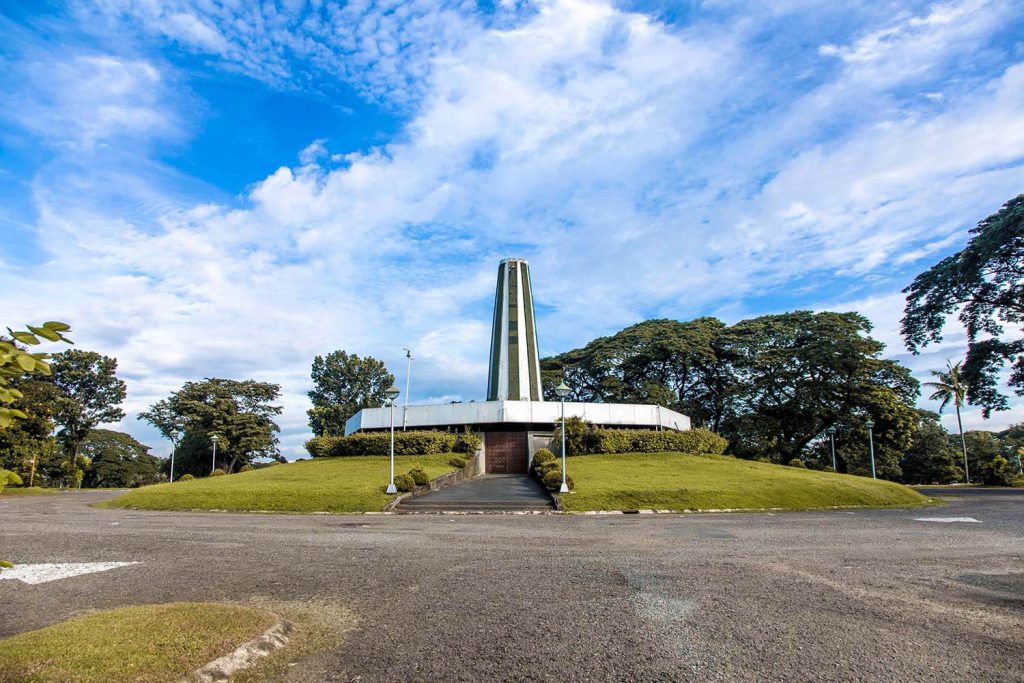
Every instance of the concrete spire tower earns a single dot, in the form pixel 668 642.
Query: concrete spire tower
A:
pixel 514 370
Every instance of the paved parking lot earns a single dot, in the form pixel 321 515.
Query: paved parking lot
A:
pixel 874 595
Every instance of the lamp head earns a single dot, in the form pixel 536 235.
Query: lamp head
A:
pixel 561 391
pixel 831 430
pixel 870 424
pixel 392 392
pixel 214 438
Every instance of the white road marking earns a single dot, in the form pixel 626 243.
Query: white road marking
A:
pixel 948 519
pixel 42 573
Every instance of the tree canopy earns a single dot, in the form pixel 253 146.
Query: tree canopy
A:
pixel 90 394
pixel 984 284
pixel 344 384
pixel 240 413
pixel 117 460
pixel 771 385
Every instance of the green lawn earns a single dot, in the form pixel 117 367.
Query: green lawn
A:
pixel 349 484
pixel 139 644
pixel 674 481
pixel 25 491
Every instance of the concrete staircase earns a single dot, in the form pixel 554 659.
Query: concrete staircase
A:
pixel 487 493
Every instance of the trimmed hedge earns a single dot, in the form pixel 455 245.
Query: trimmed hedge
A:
pixel 185 477
pixel 458 462
pixel 404 483
pixel 553 479
pixel 218 473
pixel 542 456
pixel 419 476
pixel 699 441
pixel 379 443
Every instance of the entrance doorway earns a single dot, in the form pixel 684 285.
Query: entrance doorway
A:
pixel 506 452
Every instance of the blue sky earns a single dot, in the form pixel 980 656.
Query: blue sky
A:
pixel 227 189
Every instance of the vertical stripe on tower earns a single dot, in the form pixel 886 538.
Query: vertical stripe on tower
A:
pixel 514 311
pixel 496 335
pixel 532 360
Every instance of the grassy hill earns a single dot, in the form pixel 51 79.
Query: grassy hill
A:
pixel 350 484
pixel 674 481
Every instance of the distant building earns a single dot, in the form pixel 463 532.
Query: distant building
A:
pixel 515 421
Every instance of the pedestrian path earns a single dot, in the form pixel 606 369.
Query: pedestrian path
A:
pixel 487 493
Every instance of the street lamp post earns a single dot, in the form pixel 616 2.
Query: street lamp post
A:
pixel 871 445
pixel 832 438
pixel 174 449
pixel 214 439
pixel 392 393
pixel 562 392
pixel 408 374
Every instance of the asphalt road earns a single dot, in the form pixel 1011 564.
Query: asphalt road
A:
pixel 828 596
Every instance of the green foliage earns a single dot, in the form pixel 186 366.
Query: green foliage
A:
pixel 578 435
pixel 984 285
pixel 552 479
pixel 468 442
pixel 796 462
pixel 218 473
pixel 186 477
pixel 117 460
pixel 247 467
pixel 9 478
pixel 769 385
pixel 648 441
pixel 932 458
pixel 343 384
pixel 998 472
pixel 419 476
pixel 28 446
pixel 404 483
pixel 240 413
pixel 16 363
pixel 379 443
pixel 458 462
pixel 4 564
pixel 542 456
pixel 90 394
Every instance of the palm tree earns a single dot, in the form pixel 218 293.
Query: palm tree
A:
pixel 949 386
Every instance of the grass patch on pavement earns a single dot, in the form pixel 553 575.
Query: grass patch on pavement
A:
pixel 25 491
pixel 347 484
pixel 141 643
pixel 675 481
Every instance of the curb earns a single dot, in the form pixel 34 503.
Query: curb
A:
pixel 245 656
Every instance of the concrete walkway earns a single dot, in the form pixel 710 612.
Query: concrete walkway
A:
pixel 487 493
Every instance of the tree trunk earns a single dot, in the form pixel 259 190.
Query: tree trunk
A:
pixel 963 443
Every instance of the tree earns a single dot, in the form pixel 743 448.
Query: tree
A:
pixel 240 413
pixel 15 362
pixel 949 387
pixel 28 446
pixel 91 395
pixel 118 460
pixel 985 283
pixel 931 458
pixel 344 384
pixel 983 447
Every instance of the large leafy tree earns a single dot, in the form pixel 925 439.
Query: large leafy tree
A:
pixel 949 387
pixel 16 362
pixel 344 384
pixel 931 458
pixel 984 284
pixel 240 413
pixel 118 460
pixel 28 446
pixel 90 395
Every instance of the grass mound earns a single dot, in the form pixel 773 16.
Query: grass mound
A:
pixel 25 491
pixel 675 481
pixel 350 484
pixel 142 643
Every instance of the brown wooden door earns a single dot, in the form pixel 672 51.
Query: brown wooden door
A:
pixel 506 452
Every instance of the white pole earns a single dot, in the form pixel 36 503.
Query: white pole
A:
pixel 408 374
pixel 174 448
pixel 871 445
pixel 832 438
pixel 565 486
pixel 391 484
pixel 214 465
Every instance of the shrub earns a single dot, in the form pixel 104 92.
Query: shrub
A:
pixel 218 473
pixel 579 435
pixel 542 456
pixel 827 468
pixel 246 468
pixel 696 441
pixel 186 477
pixel 548 466
pixel 553 479
pixel 457 462
pixel 796 462
pixel 404 483
pixel 9 478
pixel 468 442
pixel 999 472
pixel 764 460
pixel 379 443
pixel 419 476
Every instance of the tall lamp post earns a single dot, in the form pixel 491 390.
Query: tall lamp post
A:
pixel 870 424
pixel 562 392
pixel 832 438
pixel 408 374
pixel 175 437
pixel 214 439
pixel 392 393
